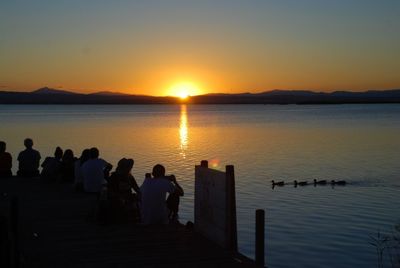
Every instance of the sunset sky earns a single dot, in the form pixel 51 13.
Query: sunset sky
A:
pixel 161 47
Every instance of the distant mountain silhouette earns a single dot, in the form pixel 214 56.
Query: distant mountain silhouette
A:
pixel 301 97
pixel 47 95
pixel 108 93
pixel 46 90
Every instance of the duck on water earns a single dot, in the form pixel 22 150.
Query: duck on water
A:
pixel 278 183
pixel 321 182
pixel 333 182
pixel 300 183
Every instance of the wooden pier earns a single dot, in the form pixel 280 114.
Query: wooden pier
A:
pixel 55 229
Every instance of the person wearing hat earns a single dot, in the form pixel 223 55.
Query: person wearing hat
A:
pixel 120 186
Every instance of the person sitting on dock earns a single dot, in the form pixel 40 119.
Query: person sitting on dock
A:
pixel 85 156
pixel 51 166
pixel 154 190
pixel 93 172
pixel 5 161
pixel 120 186
pixel 67 172
pixel 173 201
pixel 28 160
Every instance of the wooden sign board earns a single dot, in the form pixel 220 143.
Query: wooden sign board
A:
pixel 215 205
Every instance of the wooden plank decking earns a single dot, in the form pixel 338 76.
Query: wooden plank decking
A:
pixel 55 231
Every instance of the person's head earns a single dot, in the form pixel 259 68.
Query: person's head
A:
pixel 147 175
pixel 94 153
pixel 58 153
pixel 68 155
pixel 2 146
pixel 125 166
pixel 158 171
pixel 85 156
pixel 28 143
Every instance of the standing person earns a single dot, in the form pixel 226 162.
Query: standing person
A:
pixel 51 166
pixel 28 160
pixel 85 156
pixel 5 161
pixel 94 171
pixel 154 192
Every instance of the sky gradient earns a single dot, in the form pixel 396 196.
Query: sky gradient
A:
pixel 148 47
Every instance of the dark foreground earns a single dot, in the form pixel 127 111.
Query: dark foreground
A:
pixel 57 228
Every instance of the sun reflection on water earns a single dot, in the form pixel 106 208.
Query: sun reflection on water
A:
pixel 183 131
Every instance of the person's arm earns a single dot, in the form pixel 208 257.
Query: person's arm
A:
pixel 178 188
pixel 135 186
pixel 108 166
pixel 38 157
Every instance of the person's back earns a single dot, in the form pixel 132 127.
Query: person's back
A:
pixel 124 203
pixel 51 166
pixel 67 172
pixel 93 175
pixel 5 161
pixel 154 191
pixel 28 161
pixel 93 172
pixel 120 184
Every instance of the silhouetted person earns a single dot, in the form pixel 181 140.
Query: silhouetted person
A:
pixel 68 166
pixel 154 192
pixel 28 160
pixel 51 166
pixel 5 161
pixel 94 171
pixel 173 200
pixel 85 156
pixel 120 186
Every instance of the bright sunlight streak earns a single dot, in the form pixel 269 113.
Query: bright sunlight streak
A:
pixel 184 89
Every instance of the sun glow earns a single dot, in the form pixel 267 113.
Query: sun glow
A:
pixel 184 90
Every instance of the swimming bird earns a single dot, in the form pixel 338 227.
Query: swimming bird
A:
pixel 300 183
pixel 321 182
pixel 338 182
pixel 278 183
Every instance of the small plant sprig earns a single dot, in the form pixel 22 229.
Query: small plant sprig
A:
pixel 389 244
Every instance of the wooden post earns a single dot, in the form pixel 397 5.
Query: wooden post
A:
pixel 204 163
pixel 260 222
pixel 231 205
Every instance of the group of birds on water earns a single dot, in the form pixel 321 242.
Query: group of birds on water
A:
pixel 305 183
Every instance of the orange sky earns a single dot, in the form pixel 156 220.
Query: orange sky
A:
pixel 229 46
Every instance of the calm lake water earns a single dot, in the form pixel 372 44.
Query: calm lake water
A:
pixel 305 226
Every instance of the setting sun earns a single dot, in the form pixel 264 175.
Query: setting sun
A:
pixel 183 90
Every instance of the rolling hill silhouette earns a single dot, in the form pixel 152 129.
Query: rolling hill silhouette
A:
pixel 47 95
